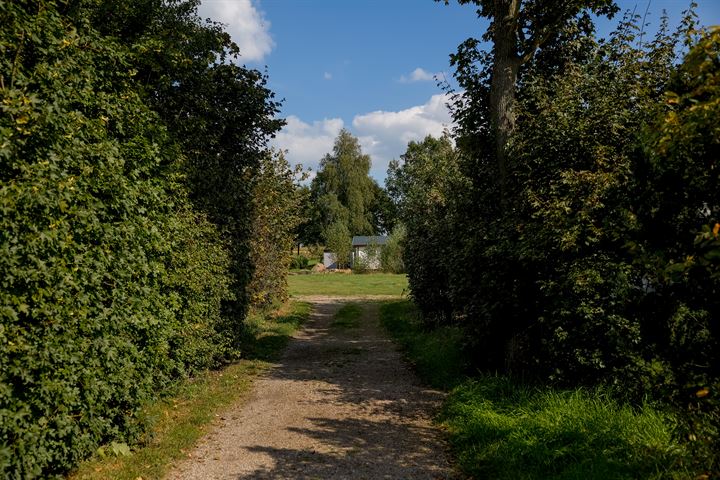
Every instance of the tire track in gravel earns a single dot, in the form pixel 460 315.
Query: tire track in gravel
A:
pixel 340 404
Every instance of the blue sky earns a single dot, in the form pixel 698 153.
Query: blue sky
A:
pixel 367 65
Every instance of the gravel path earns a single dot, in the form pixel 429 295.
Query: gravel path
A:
pixel 341 404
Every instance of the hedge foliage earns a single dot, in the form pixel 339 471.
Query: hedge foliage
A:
pixel 126 212
pixel 277 216
pixel 426 186
pixel 596 260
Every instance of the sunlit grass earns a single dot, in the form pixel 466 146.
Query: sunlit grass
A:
pixel 340 284
pixel 503 430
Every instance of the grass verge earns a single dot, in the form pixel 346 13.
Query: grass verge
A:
pixel 501 429
pixel 180 420
pixel 435 355
pixel 348 284
pixel 348 316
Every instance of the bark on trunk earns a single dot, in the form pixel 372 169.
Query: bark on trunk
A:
pixel 506 64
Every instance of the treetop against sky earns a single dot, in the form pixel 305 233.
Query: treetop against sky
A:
pixel 370 66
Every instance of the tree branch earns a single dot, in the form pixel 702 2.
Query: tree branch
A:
pixel 539 39
pixel 536 44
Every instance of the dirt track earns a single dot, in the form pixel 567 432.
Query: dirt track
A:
pixel 341 404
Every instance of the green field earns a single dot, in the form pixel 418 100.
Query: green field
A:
pixel 348 285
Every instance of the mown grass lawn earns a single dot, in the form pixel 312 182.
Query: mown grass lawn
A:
pixel 348 285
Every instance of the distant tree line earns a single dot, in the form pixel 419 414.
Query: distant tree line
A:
pixel 571 225
pixel 141 216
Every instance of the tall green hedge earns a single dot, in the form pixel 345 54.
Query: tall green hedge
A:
pixel 596 260
pixel 85 320
pixel 122 270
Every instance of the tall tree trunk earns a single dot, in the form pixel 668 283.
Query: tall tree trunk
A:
pixel 506 64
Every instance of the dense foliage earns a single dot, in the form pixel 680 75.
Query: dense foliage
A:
pixel 339 241
pixel 276 198
pixel 425 186
pixel 391 254
pixel 592 258
pixel 679 247
pixel 128 147
pixel 517 30
pixel 219 113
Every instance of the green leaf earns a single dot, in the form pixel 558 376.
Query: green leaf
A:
pixel 120 449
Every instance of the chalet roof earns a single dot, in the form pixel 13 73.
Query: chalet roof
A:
pixel 362 240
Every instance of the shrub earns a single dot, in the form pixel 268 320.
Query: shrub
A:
pixel 391 255
pixel 678 250
pixel 316 252
pixel 368 259
pixel 360 265
pixel 299 262
pixel 338 240
pixel 275 217
pixel 120 275
pixel 425 187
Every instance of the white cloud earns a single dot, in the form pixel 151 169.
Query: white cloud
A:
pixel 307 144
pixel 418 75
pixel 385 135
pixel 327 76
pixel 244 22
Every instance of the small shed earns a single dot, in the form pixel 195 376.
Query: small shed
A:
pixel 329 260
pixel 366 249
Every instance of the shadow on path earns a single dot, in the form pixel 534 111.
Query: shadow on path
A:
pixel 341 404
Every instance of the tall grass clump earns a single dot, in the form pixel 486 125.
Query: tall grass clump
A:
pixel 501 429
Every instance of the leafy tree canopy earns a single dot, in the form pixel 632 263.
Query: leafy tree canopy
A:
pixel 342 191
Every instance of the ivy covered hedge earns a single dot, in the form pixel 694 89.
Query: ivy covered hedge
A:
pixel 124 240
